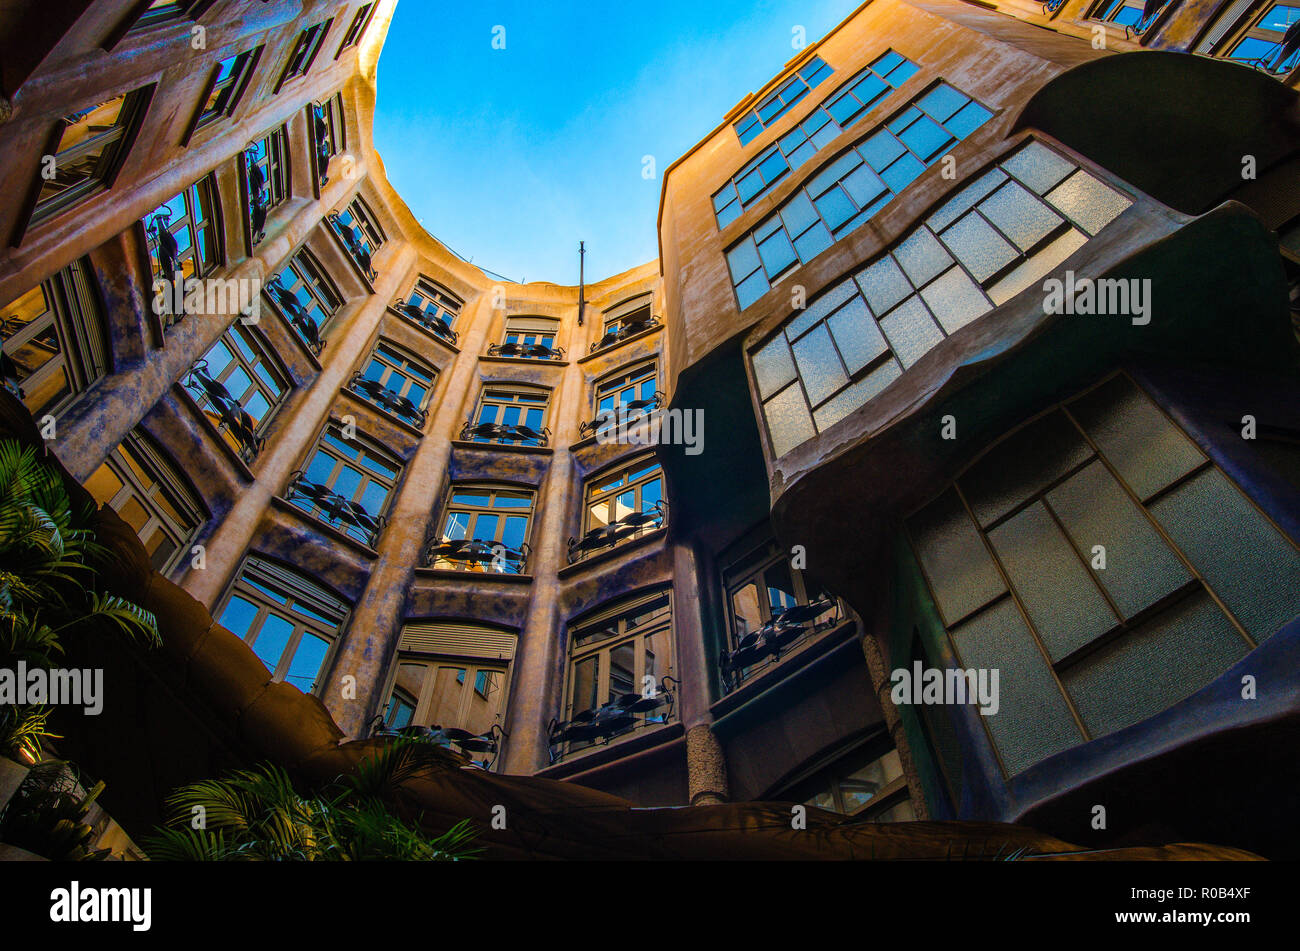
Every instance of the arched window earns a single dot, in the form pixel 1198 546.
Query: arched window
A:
pixel 452 676
pixel 53 342
pixel 347 483
pixel 483 528
pixel 290 621
pixel 619 505
pixel 512 414
pixel 529 337
pixel 1251 32
pixel 619 674
pixel 397 381
pixel 147 490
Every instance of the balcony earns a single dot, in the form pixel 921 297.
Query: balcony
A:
pixel 625 330
pixel 630 526
pixel 259 195
pixel 296 314
pixel 321 143
pixel 763 647
pixel 623 415
pixel 168 250
pixel 510 435
pixel 431 322
pixel 623 715
pixel 462 743
pixel 526 351
pixel 334 510
pixel 356 245
pixel 389 401
pixel 235 420
pixel 477 555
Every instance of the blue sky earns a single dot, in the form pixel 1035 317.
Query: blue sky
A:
pixel 511 156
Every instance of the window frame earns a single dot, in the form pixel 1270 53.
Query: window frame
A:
pixel 303 53
pixel 229 94
pixel 634 476
pixel 119 139
pixel 255 575
pixel 311 276
pixel 262 356
pixel 503 396
pixel 327 445
pixel 442 535
pixel 357 28
pixel 141 458
pixel 275 163
pixel 75 315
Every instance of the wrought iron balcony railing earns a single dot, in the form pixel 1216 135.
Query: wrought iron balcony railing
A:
pixel 1281 59
pixel 624 414
pixel 333 509
pixel 462 742
pixel 622 332
pixel 259 195
pixel 321 142
pixel 296 314
pixel 8 368
pixel 1051 6
pixel 168 251
pixel 1150 10
pixel 387 400
pixel 355 244
pixel 234 418
pixel 500 432
pixel 428 321
pixel 531 351
pixel 472 554
pixel 620 716
pixel 786 630
pixel 630 526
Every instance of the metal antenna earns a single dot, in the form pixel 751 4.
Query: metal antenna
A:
pixel 582 284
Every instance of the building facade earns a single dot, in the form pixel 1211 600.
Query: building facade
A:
pixel 428 496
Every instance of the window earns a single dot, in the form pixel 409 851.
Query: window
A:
pixel 1194 575
pixel 777 103
pixel 53 341
pixel 305 297
pixel 484 528
pixel 89 147
pixel 625 320
pixel 328 135
pixel 304 51
pixel 360 232
pixel 168 11
pixel 867 782
pixel 266 178
pixel 183 234
pixel 620 506
pixel 347 484
pixel 289 621
pixel 433 307
pixel 624 396
pixel 531 337
pixel 994 238
pixel 238 386
pixel 143 487
pixel 510 415
pixel 397 382
pixel 852 188
pixel 226 87
pixel 762 591
pixel 848 105
pixel 359 24
pixel 1253 34
pixel 620 662
pixel 455 677
pixel 1129 14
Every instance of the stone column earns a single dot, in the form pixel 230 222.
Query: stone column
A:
pixel 706 767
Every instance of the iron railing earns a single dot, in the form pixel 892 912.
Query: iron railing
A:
pixel 462 742
pixel 603 724
pixel 500 432
pixel 623 331
pixel 387 400
pixel 624 414
pixel 355 244
pixel 296 314
pixel 234 418
pixel 764 646
pixel 472 554
pixel 335 510
pixel 428 321
pixel 632 525
pixel 530 351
